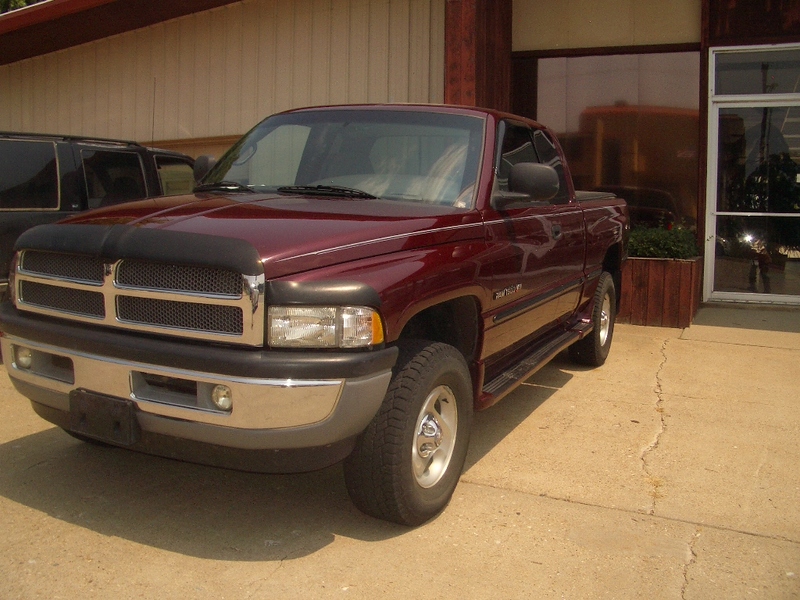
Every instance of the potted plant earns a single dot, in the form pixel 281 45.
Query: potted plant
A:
pixel 662 278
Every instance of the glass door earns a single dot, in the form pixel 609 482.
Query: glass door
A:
pixel 753 216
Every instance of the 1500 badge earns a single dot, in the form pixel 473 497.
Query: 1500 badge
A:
pixel 512 289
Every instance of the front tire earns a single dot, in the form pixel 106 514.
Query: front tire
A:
pixel 406 464
pixel 593 349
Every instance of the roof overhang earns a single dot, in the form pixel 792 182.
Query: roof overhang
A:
pixel 54 25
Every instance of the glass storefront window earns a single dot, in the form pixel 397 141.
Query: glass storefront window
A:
pixel 757 72
pixel 629 123
pixel 754 170
pixel 757 255
pixel 759 151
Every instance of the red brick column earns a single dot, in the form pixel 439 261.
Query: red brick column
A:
pixel 478 53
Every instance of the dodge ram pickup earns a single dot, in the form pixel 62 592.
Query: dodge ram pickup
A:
pixel 345 284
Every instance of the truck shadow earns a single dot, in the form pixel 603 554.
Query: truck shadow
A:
pixel 492 425
pixel 190 509
pixel 214 513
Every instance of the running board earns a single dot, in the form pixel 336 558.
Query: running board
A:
pixel 511 378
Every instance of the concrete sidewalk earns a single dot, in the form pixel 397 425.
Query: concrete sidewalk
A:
pixel 670 472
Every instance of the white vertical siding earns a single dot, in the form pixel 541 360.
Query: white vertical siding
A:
pixel 358 63
pixel 218 72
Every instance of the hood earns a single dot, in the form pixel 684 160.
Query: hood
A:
pixel 298 233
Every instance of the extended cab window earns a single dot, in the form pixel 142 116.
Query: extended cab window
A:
pixel 28 175
pixel 549 155
pixel 175 175
pixel 112 177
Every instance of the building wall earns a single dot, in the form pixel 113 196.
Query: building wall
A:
pixel 566 24
pixel 206 78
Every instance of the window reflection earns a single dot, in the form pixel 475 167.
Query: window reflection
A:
pixel 750 256
pixel 629 124
pixel 759 149
pixel 758 170
pixel 773 72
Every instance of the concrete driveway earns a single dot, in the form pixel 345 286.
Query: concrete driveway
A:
pixel 670 472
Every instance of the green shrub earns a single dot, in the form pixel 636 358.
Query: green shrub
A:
pixel 662 243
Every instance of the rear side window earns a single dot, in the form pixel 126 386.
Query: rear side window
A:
pixel 112 177
pixel 28 175
pixel 175 175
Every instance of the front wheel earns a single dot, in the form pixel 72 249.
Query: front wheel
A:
pixel 593 349
pixel 406 464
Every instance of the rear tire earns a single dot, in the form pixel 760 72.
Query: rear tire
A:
pixel 406 464
pixel 593 349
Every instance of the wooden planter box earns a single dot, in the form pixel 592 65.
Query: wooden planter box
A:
pixel 661 292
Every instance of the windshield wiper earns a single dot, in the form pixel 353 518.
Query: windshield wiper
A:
pixel 225 186
pixel 326 190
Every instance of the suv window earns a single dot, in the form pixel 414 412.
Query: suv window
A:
pixel 112 177
pixel 175 175
pixel 28 175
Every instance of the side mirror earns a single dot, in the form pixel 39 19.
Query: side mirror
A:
pixel 202 165
pixel 538 181
pixel 528 183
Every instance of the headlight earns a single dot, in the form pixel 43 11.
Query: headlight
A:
pixel 323 327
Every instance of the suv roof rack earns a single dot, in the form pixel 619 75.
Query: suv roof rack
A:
pixel 68 138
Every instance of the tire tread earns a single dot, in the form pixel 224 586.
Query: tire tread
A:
pixel 377 472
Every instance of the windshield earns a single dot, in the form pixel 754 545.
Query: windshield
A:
pixel 399 155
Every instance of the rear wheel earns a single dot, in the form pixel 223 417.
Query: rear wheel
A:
pixel 407 462
pixel 593 349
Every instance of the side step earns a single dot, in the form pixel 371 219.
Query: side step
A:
pixel 504 383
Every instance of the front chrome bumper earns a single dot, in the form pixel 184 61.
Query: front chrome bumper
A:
pixel 266 413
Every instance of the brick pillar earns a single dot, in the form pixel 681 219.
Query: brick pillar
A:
pixel 478 53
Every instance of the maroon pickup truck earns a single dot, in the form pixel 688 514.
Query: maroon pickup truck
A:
pixel 347 283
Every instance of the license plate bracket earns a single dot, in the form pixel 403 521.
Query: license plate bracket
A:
pixel 103 418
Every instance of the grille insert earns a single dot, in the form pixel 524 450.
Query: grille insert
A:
pixel 68 266
pixel 181 315
pixel 79 302
pixel 179 278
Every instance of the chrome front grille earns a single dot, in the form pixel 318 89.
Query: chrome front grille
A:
pixel 78 302
pixel 68 266
pixel 160 276
pixel 183 315
pixel 182 300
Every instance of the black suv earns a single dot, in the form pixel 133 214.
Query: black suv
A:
pixel 45 178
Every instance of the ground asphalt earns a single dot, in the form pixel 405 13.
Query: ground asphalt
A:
pixel 670 472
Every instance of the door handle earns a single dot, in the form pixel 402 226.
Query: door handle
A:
pixel 556 232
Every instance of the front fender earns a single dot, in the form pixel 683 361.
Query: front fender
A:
pixel 400 285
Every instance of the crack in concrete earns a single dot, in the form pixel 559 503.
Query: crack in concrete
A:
pixel 692 559
pixel 654 481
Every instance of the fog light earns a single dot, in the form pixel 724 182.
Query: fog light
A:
pixel 23 357
pixel 222 397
